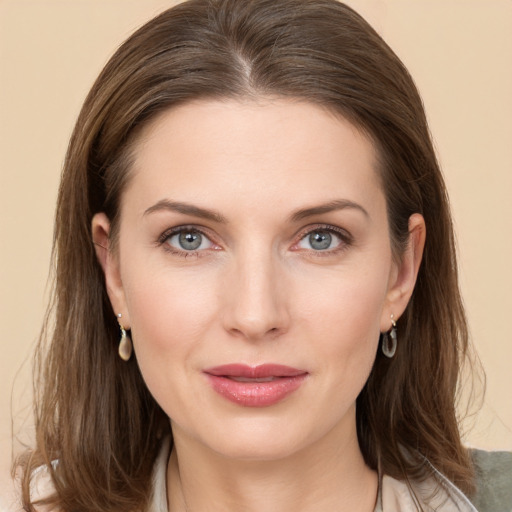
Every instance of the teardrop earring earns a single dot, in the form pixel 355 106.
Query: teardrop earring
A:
pixel 389 340
pixel 125 344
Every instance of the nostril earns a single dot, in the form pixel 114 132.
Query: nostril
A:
pixel 274 332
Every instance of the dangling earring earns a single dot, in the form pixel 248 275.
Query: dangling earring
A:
pixel 389 341
pixel 125 344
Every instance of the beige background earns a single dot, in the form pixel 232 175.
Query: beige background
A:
pixel 460 53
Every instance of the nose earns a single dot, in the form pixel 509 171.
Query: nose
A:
pixel 256 306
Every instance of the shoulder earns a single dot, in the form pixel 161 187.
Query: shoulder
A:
pixel 41 487
pixel 158 501
pixel 429 495
pixel 493 481
pixel 493 489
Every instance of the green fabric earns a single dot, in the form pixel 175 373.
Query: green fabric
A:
pixel 493 480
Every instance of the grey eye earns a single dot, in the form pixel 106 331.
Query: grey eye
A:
pixel 190 240
pixel 320 240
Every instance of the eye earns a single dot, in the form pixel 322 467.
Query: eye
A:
pixel 322 239
pixel 188 240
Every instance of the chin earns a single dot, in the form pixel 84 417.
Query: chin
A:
pixel 257 449
pixel 262 439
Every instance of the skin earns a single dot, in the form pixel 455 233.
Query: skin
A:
pixel 256 292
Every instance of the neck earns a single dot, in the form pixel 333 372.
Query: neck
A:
pixel 327 475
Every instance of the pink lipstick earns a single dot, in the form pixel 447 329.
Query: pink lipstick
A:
pixel 255 386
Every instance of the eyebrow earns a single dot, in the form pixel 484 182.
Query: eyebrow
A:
pixel 338 204
pixel 187 209
pixel 212 215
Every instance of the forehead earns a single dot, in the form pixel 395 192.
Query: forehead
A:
pixel 253 151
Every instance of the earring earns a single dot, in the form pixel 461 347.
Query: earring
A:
pixel 125 344
pixel 389 340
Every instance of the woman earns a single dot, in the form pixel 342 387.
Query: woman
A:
pixel 256 302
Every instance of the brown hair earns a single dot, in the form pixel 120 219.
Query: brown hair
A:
pixel 94 412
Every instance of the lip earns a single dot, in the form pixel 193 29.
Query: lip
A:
pixel 255 386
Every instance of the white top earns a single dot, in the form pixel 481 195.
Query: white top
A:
pixel 394 495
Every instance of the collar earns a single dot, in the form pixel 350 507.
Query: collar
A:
pixel 394 495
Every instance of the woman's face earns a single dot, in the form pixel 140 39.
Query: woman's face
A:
pixel 255 272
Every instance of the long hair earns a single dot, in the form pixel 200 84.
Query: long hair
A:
pixel 93 412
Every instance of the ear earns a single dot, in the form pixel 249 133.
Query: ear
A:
pixel 109 262
pixel 403 277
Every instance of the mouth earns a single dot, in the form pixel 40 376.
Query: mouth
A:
pixel 255 386
pixel 248 379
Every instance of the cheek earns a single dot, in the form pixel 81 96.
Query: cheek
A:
pixel 171 315
pixel 169 310
pixel 343 322
pixel 348 305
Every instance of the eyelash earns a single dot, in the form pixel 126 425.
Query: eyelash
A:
pixel 166 235
pixel 345 237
